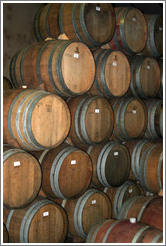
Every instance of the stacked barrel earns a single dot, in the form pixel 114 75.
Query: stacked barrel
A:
pixel 83 128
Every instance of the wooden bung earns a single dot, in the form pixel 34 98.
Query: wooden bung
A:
pixel 64 67
pixel 36 119
pixel 92 207
pixel 90 23
pixel 112 77
pixel 66 170
pixel 92 120
pixel 111 164
pixel 118 195
pixel 43 221
pixel 130 118
pixel 125 231
pixel 148 210
pixel 21 177
pixel 131 30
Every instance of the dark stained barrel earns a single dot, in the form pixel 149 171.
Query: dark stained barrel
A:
pixel 111 164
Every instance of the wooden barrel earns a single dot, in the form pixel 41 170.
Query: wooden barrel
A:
pixel 151 168
pixel 5 234
pixel 112 77
pixel 136 149
pixel 145 76
pixel 90 23
pixel 21 177
pixel 125 231
pixel 160 92
pixel 36 119
pixel 118 195
pixel 146 209
pixel 111 164
pixel 59 165
pixel 130 118
pixel 92 207
pixel 154 44
pixel 43 221
pixel 131 30
pixel 46 22
pixel 92 120
pixel 155 111
pixel 66 68
pixel 6 84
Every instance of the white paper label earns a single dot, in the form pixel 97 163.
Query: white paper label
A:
pixel 114 64
pixel 134 19
pixel 76 55
pixel 148 67
pixel 93 201
pixel 16 163
pixel 98 8
pixel 123 142
pixel 160 28
pixel 24 86
pixel 134 111
pixel 73 162
pixel 116 153
pixel 130 191
pixel 97 111
pixel 45 214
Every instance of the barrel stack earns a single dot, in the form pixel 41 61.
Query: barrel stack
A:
pixel 83 128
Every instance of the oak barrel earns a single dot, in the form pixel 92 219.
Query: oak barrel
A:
pixel 46 22
pixel 66 170
pixel 118 195
pixel 92 120
pixel 154 44
pixel 112 78
pixel 66 68
pixel 92 207
pixel 131 30
pixel 146 209
pixel 6 84
pixel 21 177
pixel 43 221
pixel 111 164
pixel 155 111
pixel 145 76
pixel 124 231
pixel 90 23
pixel 5 234
pixel 36 119
pixel 160 92
pixel 136 149
pixel 151 168
pixel 130 118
